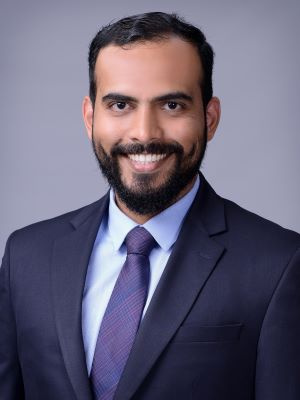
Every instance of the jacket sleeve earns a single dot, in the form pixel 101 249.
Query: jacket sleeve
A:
pixel 278 356
pixel 11 384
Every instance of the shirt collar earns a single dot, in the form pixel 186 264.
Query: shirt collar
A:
pixel 164 227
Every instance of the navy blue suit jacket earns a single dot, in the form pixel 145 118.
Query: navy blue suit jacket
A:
pixel 224 322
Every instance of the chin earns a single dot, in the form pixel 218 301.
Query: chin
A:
pixel 143 185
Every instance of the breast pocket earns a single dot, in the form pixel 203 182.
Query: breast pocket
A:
pixel 197 333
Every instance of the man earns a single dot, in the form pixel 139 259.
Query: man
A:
pixel 161 289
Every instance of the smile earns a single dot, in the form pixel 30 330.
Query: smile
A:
pixel 146 158
pixel 146 163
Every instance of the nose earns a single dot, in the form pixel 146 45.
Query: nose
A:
pixel 146 125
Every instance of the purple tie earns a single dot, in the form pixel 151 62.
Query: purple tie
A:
pixel 122 315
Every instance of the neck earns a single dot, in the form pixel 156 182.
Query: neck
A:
pixel 142 219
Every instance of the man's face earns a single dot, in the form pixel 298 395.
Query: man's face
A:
pixel 148 124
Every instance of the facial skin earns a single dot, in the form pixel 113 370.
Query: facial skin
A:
pixel 148 124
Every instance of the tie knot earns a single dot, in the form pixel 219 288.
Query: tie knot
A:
pixel 139 241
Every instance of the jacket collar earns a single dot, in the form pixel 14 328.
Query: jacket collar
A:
pixel 70 259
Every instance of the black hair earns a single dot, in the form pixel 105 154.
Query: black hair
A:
pixel 153 26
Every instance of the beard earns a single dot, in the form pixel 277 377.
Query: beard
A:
pixel 143 197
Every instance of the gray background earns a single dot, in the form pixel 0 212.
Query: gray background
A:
pixel 46 163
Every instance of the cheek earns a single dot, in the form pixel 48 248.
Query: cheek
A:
pixel 187 132
pixel 107 131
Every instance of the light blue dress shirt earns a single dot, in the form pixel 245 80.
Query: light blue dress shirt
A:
pixel 109 254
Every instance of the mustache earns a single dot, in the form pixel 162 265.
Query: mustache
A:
pixel 142 148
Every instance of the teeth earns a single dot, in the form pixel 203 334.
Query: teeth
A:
pixel 146 158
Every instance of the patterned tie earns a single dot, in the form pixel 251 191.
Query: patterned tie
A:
pixel 122 316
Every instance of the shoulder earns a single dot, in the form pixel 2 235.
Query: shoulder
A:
pixel 249 230
pixel 238 227
pixel 42 234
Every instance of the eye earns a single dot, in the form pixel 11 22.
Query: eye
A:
pixel 119 106
pixel 173 106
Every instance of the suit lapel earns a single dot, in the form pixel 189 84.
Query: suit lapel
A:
pixel 69 265
pixel 192 261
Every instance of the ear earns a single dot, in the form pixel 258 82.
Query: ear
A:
pixel 88 111
pixel 213 113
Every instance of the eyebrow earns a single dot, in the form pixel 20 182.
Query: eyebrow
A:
pixel 118 97
pixel 165 97
pixel 174 96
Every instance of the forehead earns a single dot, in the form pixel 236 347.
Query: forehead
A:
pixel 149 67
